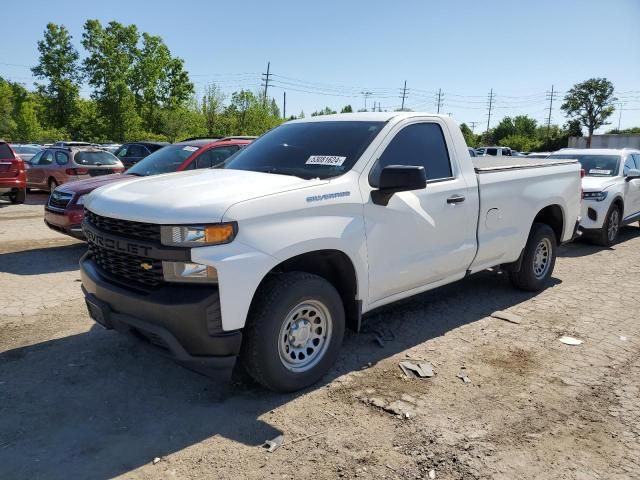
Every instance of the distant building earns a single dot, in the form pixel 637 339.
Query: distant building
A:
pixel 607 141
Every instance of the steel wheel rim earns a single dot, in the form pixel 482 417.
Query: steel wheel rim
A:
pixel 542 258
pixel 305 335
pixel 614 225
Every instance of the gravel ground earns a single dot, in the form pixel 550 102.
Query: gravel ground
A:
pixel 80 402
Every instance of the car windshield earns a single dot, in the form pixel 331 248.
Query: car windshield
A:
pixel 25 149
pixel 594 165
pixel 165 160
pixel 307 150
pixel 97 157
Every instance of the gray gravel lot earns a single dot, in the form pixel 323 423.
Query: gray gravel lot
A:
pixel 80 402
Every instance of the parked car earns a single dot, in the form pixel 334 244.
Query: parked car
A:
pixel 13 181
pixel 493 151
pixel 611 187
pixel 131 153
pixel 538 155
pixel 110 147
pixel 472 152
pixel 57 165
pixel 64 210
pixel 70 143
pixel 315 223
pixel 25 152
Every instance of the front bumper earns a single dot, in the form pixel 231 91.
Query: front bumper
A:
pixel 593 214
pixel 68 222
pixel 183 321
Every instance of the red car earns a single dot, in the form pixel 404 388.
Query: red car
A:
pixel 13 179
pixel 64 210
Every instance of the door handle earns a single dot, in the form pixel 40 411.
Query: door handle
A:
pixel 456 199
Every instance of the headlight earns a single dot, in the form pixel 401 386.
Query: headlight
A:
pixel 80 200
pixel 597 196
pixel 198 235
pixel 189 272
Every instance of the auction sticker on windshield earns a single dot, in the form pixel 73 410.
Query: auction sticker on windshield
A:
pixel 598 171
pixel 331 160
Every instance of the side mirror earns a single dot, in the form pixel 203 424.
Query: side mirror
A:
pixel 397 178
pixel 632 174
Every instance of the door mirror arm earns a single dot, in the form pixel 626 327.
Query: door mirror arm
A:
pixel 632 174
pixel 397 178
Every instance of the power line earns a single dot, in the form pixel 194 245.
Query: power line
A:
pixel 491 97
pixel 265 79
pixel 404 94
pixel 550 97
pixel 439 99
pixel 366 94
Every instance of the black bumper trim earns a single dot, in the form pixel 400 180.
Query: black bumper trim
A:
pixel 176 318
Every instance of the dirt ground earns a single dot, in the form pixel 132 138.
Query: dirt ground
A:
pixel 80 402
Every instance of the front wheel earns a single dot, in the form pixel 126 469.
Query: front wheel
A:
pixel 608 234
pixel 52 184
pixel 538 260
pixel 294 331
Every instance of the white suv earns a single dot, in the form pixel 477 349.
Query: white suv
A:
pixel 611 187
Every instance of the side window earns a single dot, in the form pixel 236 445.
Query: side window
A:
pixel 122 151
pixel 628 165
pixel 62 158
pixel 136 151
pixel 215 156
pixel 492 151
pixel 420 144
pixel 36 158
pixel 636 157
pixel 47 158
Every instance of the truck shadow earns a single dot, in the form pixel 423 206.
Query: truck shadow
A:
pixel 95 405
pixel 37 197
pixel 37 261
pixel 582 247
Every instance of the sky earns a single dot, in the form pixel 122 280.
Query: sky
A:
pixel 330 53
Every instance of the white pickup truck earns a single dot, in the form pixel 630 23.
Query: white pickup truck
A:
pixel 317 222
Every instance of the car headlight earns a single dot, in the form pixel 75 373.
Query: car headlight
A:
pixel 597 196
pixel 80 200
pixel 189 272
pixel 198 235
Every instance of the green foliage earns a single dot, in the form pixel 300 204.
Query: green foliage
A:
pixel 625 131
pixel 347 109
pixel 27 124
pixel 521 143
pixel 212 107
pixel 324 111
pixel 469 137
pixel 591 103
pixel 7 122
pixel 58 64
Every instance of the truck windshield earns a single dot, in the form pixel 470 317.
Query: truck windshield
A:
pixel 594 165
pixel 307 150
pixel 165 160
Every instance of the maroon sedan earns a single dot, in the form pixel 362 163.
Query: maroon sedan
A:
pixel 64 211
pixel 13 181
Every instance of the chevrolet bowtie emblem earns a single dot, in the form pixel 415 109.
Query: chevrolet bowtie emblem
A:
pixel 146 266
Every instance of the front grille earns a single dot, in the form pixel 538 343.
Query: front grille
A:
pixel 125 228
pixel 60 199
pixel 129 268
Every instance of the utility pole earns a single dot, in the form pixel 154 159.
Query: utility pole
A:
pixel 550 108
pixel 284 104
pixel 366 94
pixel 619 116
pixel 265 79
pixel 491 97
pixel 439 99
pixel 404 94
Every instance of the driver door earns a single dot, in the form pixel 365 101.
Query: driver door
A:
pixel 422 236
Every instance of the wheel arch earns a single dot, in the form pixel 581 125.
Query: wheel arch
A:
pixel 337 268
pixel 553 216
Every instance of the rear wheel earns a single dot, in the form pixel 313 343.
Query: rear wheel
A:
pixel 608 234
pixel 18 197
pixel 294 331
pixel 52 184
pixel 538 260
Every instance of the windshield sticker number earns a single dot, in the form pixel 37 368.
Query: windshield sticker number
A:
pixel 329 160
pixel 598 171
pixel 190 149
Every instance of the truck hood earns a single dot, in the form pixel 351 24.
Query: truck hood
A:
pixel 597 184
pixel 89 184
pixel 199 196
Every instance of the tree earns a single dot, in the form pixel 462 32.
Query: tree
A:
pixel 469 137
pixel 347 109
pixel 112 53
pixel 324 111
pixel 27 125
pixel 212 107
pixel 7 123
pixel 590 102
pixel 58 64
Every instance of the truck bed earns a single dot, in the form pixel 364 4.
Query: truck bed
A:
pixel 497 164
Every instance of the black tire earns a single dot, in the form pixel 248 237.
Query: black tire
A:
pixel 52 184
pixel 18 197
pixel 602 237
pixel 276 300
pixel 530 277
